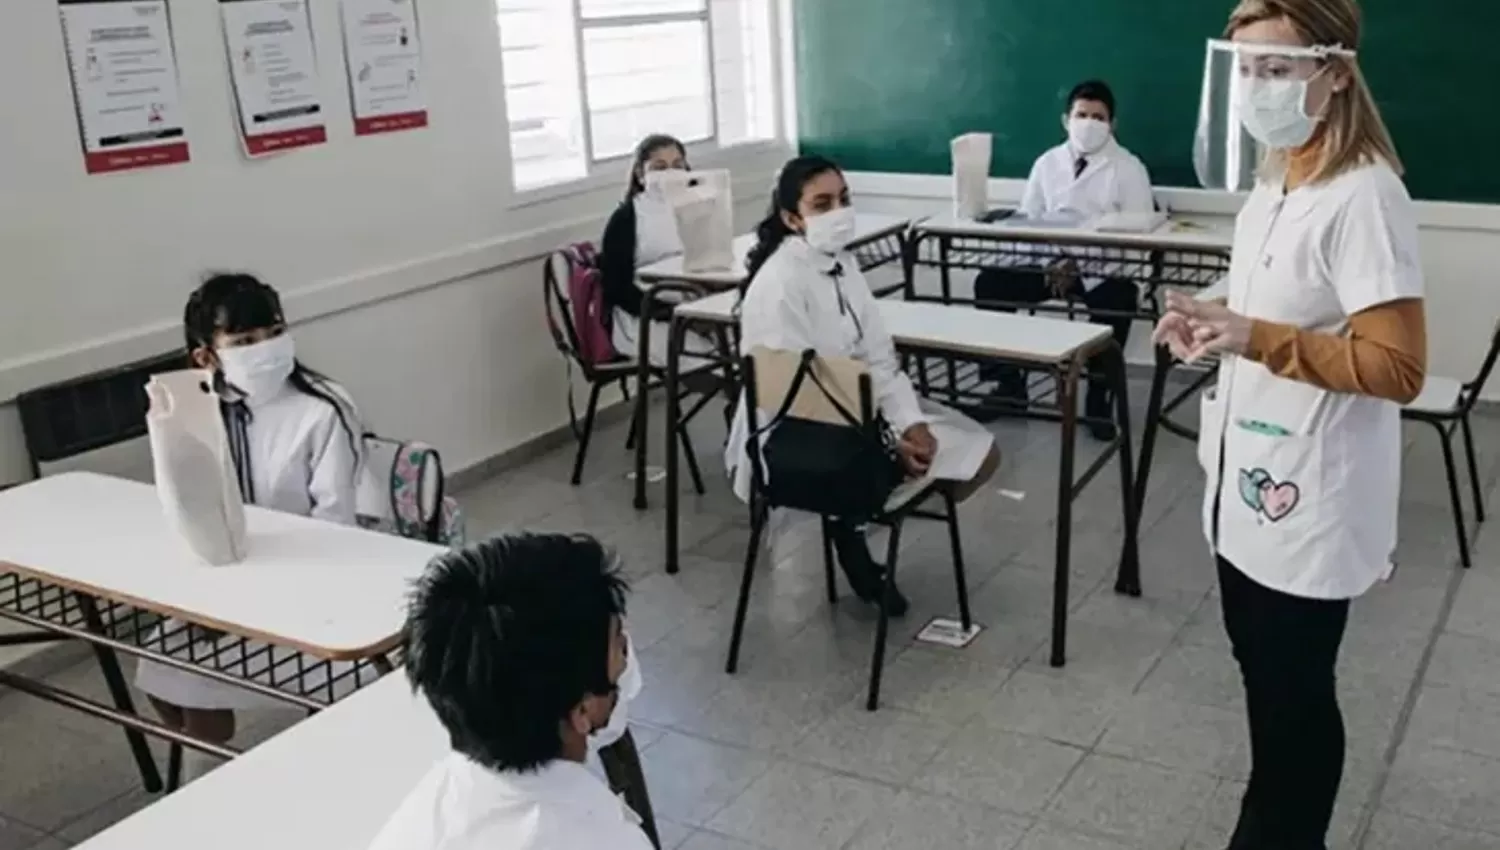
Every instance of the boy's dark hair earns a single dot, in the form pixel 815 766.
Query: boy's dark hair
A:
pixel 1096 90
pixel 507 636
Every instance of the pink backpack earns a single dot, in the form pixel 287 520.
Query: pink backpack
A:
pixel 580 303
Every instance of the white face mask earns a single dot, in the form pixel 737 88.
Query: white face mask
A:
pixel 832 231
pixel 1274 112
pixel 1087 135
pixel 260 370
pixel 619 717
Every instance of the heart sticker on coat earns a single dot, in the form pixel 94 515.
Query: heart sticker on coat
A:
pixel 1268 497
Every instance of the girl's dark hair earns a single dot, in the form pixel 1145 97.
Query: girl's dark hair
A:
pixel 238 302
pixel 643 151
pixel 772 230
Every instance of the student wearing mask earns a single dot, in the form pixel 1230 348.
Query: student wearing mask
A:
pixel 642 230
pixel 806 292
pixel 518 645
pixel 1323 338
pixel 296 447
pixel 1081 179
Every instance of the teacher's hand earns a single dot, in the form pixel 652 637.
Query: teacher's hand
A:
pixel 1214 328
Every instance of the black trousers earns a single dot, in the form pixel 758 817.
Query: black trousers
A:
pixel 1287 647
pixel 1028 286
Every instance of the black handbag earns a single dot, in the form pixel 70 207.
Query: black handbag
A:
pixel 844 470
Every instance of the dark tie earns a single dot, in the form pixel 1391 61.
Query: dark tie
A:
pixel 1079 165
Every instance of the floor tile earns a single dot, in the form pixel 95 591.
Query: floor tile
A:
pixel 1395 832
pixel 1447 786
pixel 1182 735
pixel 1069 711
pixel 917 820
pixel 1150 805
pixel 1050 837
pixel 798 806
pixel 18 836
pixel 1454 718
pixel 690 780
pixel 888 745
pixel 992 767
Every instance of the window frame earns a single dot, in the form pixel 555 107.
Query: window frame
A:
pixel 601 172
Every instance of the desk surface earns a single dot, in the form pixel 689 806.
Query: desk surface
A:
pixel 959 328
pixel 868 227
pixel 1170 236
pixel 328 782
pixel 333 592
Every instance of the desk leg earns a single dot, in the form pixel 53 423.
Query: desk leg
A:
pixel 1067 397
pixel 910 244
pixel 1151 427
pixel 382 665
pixel 674 353
pixel 945 243
pixel 1128 580
pixel 119 693
pixel 640 426
pixel 622 767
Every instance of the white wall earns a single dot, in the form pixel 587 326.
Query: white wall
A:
pixel 406 262
pixel 1460 253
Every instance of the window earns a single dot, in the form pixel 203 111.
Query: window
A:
pixel 586 79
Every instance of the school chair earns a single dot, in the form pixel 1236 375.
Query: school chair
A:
pixel 1446 404
pixel 598 372
pixel 817 395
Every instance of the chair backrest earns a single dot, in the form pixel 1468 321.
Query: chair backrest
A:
pixel 1473 388
pixel 577 315
pixel 90 412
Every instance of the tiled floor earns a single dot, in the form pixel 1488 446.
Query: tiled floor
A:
pixel 1138 744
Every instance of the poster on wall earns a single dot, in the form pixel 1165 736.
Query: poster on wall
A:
pixel 124 71
pixel 274 69
pixel 383 51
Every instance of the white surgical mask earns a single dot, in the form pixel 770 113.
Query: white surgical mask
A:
pixel 1274 112
pixel 629 687
pixel 831 232
pixel 1087 135
pixel 260 370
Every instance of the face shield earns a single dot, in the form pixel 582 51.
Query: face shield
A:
pixel 1255 96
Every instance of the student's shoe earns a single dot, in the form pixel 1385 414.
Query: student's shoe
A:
pixel 1098 407
pixel 864 575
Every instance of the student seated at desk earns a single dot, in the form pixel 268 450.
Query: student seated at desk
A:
pixel 1081 179
pixel 296 448
pixel 806 292
pixel 519 646
pixel 642 230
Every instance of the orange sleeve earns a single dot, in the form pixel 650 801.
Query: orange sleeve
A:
pixel 1384 354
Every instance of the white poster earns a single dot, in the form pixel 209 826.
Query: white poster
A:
pixel 124 72
pixel 384 54
pixel 275 72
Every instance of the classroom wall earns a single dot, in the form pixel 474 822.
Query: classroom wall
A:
pixel 1460 248
pixel 407 264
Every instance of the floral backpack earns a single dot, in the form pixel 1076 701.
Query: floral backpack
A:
pixel 411 475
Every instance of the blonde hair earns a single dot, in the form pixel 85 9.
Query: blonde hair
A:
pixel 1352 131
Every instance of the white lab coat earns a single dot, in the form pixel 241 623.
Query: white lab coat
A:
pixel 460 805
pixel 796 303
pixel 1113 181
pixel 656 238
pixel 1307 500
pixel 302 462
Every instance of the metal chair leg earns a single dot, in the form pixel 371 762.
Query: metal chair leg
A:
pixel 828 577
pixel 757 528
pixel 1473 468
pixel 588 433
pixel 951 505
pixel 1458 505
pixel 882 625
pixel 622 767
pixel 691 457
pixel 174 767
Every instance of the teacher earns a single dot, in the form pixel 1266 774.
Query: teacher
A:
pixel 1323 336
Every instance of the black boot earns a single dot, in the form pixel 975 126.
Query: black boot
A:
pixel 1098 407
pixel 864 575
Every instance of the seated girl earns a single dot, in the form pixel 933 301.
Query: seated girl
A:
pixel 642 230
pixel 806 291
pixel 295 444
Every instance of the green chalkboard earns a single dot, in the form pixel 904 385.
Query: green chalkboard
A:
pixel 883 85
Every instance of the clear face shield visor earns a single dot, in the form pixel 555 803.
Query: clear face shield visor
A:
pixel 1255 97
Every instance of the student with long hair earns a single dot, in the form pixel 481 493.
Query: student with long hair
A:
pixel 1323 337
pixel 296 448
pixel 642 230
pixel 807 292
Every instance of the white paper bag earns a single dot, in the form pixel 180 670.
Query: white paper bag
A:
pixel 971 175
pixel 703 205
pixel 195 474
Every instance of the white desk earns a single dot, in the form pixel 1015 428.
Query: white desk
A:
pixel 327 783
pixel 1056 345
pixel 1171 236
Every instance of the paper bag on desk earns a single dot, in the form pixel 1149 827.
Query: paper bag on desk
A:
pixel 195 474
pixel 703 205
pixel 971 175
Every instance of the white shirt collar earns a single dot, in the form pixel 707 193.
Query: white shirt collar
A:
pixel 559 783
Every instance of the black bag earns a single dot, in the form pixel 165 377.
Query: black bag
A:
pixel 847 471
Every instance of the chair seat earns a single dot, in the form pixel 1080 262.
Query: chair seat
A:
pixel 1438 396
pixel 907 492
